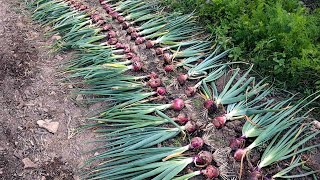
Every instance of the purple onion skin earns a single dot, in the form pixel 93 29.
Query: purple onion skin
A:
pixel 149 44
pixel 112 41
pixel 153 75
pixel 125 25
pixel 204 158
pixel 190 91
pixel 236 143
pixel 211 172
pixel 255 175
pixel 219 121
pixel 161 91
pixel 137 66
pixel 211 106
pixel 239 154
pixel 154 82
pixel 182 119
pixel 169 68
pixel 177 104
pixel 191 126
pixel 196 143
pixel 182 78
pixel 167 57
pixel 159 51
pixel 139 40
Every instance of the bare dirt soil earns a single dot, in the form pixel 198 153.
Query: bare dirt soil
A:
pixel 30 90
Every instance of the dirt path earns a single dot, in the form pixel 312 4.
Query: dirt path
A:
pixel 31 91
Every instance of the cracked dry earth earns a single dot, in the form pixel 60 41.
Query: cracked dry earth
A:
pixel 30 91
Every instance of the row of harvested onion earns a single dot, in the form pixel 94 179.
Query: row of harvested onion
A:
pixel 136 122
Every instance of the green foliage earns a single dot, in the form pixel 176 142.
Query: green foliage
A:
pixel 280 36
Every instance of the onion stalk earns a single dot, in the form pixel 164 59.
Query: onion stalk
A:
pixel 142 156
pixel 200 70
pixel 158 170
pixel 281 123
pixel 287 146
pixel 295 163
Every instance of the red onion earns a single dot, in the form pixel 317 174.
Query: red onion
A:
pixel 120 46
pixel 96 17
pixel 182 78
pixel 114 15
pixel 108 10
pixel 135 59
pixel 181 119
pixel 159 51
pixel 112 34
pixel 196 143
pixel 83 7
pixel 131 30
pixel 239 154
pixel 167 57
pixel 130 55
pixel 161 91
pixel 211 172
pixel 236 143
pixel 134 35
pixel 153 75
pixel 127 49
pixel 154 83
pixel 125 25
pixel 121 19
pixel 177 104
pixel 190 126
pixel 211 106
pixel 112 41
pixel 105 3
pixel 107 27
pixel 137 66
pixel 219 121
pixel 149 44
pixel 190 91
pixel 255 175
pixel 169 68
pixel 203 159
pixel 101 22
pixel 139 40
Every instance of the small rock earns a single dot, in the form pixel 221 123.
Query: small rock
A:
pixel 56 37
pixel 59 58
pixel 43 178
pixel 28 163
pixel 79 97
pixel 316 124
pixel 50 126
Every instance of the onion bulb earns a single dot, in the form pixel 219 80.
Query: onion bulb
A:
pixel 182 78
pixel 154 83
pixel 196 143
pixel 177 104
pixel 211 172
pixel 219 121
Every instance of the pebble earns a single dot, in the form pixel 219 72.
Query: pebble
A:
pixel 28 163
pixel 51 126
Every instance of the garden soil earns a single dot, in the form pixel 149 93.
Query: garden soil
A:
pixel 30 91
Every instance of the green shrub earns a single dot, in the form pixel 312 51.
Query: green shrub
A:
pixel 280 36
